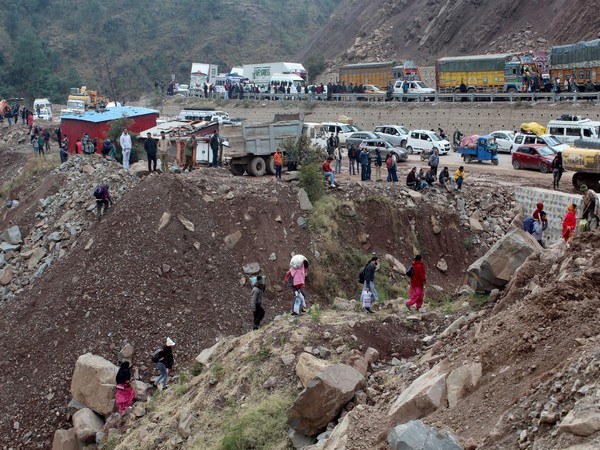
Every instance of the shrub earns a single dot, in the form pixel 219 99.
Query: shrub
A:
pixel 311 179
pixel 196 369
pixel 315 313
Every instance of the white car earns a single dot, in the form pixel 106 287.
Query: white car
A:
pixel 549 140
pixel 504 140
pixel 396 135
pixel 414 87
pixel 426 140
pixel 45 114
pixel 343 130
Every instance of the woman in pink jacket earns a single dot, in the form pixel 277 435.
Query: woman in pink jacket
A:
pixel 296 277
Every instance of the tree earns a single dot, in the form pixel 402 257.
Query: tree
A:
pixel 315 65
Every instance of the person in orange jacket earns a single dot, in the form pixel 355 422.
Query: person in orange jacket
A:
pixel 278 162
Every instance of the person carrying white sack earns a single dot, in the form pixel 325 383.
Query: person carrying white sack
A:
pixel 296 278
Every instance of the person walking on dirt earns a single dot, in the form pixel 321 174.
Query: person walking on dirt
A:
pixel 418 279
pixel 256 298
pixel 163 358
pixel 124 394
pixel 590 208
pixel 125 141
pixel 190 145
pixel 434 161
pixel 278 163
pixel 103 199
pixel 337 154
pixel 557 169
pixel 539 226
pixel 214 146
pixel 369 272
pixel 569 222
pixel 163 148
pixel 46 139
pixel 150 148
pixel 459 177
pixel 296 277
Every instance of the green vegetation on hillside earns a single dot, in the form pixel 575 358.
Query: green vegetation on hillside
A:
pixel 47 46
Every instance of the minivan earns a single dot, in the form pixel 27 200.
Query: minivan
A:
pixel 569 128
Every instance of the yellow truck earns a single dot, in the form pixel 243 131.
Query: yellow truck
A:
pixel 89 97
pixel 583 158
pixel 379 74
pixel 580 61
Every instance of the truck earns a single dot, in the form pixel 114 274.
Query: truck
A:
pixel 580 61
pixel 260 143
pixel 380 74
pixel 502 72
pixel 202 73
pixel 260 74
pixel 583 158
pixel 90 98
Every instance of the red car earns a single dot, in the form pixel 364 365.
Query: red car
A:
pixel 534 156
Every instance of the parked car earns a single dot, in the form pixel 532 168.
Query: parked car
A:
pixel 419 140
pixel 548 140
pixel 343 130
pixel 357 137
pixel 534 156
pixel 504 140
pixel 372 89
pixel 384 148
pixel 45 114
pixel 395 134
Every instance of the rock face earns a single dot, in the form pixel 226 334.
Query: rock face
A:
pixel 582 420
pixel 339 438
pixel 305 204
pixel 323 398
pixel 416 435
pixel 65 440
pixel 495 268
pixel 308 367
pixel 397 266
pixel 12 235
pixel 86 424
pixel 93 383
pixel 206 354
pixel 426 394
pixel 462 381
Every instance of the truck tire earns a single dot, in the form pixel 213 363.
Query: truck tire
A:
pixel 271 165
pixel 237 169
pixel 467 159
pixel 257 167
pixel 495 162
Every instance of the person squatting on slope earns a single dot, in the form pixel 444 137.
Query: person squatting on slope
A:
pixel 103 199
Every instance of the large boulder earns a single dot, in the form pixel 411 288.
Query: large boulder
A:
pixel 308 367
pixel 494 269
pixel 415 435
pixel 426 394
pixel 323 398
pixel 205 355
pixel 93 383
pixel 339 438
pixel 305 203
pixel 66 440
pixel 86 424
pixel 462 381
pixel 582 420
pixel 12 235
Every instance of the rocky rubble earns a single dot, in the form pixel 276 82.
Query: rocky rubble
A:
pixel 59 221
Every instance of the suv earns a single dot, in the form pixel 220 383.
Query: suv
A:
pixel 414 87
pixel 420 140
pixel 548 140
pixel 384 147
pixel 394 134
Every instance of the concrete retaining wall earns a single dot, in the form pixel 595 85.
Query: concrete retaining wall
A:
pixel 555 205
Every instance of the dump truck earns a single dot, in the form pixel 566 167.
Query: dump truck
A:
pixel 90 98
pixel 580 61
pixel 583 158
pixel 502 72
pixel 260 143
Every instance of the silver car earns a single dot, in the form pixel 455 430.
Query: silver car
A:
pixel 396 135
pixel 357 137
pixel 384 148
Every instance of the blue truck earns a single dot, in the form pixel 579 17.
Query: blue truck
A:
pixel 484 148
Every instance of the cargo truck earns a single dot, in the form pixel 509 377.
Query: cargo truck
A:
pixel 202 73
pixel 580 61
pixel 503 72
pixel 379 74
pixel 260 143
pixel 260 74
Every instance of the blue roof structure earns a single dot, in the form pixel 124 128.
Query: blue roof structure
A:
pixel 117 112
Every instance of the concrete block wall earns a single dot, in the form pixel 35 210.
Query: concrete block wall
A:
pixel 555 205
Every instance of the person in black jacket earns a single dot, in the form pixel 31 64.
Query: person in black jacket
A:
pixel 557 169
pixel 214 143
pixel 125 393
pixel 369 284
pixel 150 147
pixel 164 363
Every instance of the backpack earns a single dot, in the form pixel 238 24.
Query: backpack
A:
pixel 528 224
pixel 389 162
pixel 361 275
pixel 410 272
pixel 157 355
pixel 99 192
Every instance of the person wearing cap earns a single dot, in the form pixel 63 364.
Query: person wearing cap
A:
pixel 163 148
pixel 165 363
pixel 417 283
pixel 278 162
pixel 590 208
pixel 256 298
pixel 557 169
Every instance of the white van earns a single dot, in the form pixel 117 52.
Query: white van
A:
pixel 343 130
pixel 570 128
pixel 38 105
pixel 425 140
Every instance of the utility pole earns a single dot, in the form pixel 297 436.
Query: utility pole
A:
pixel 112 86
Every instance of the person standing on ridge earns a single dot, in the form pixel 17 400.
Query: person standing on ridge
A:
pixel 569 222
pixel 190 145
pixel 125 141
pixel 434 162
pixel 214 146
pixel 278 163
pixel 150 147
pixel 163 148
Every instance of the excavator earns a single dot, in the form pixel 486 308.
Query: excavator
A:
pixel 583 157
pixel 89 97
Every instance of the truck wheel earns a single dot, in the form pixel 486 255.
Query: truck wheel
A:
pixel 467 159
pixel 257 167
pixel 271 165
pixel 409 149
pixel 237 169
pixel 495 162
pixel 512 90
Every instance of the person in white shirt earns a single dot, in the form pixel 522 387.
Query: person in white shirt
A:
pixel 125 141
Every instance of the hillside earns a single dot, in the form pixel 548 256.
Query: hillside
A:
pixel 47 46
pixel 427 30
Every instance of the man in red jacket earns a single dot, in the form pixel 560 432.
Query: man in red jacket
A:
pixel 328 171
pixel 417 283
